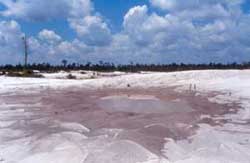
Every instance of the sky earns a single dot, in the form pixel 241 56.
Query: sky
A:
pixel 125 31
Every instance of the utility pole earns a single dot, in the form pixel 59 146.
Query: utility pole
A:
pixel 25 42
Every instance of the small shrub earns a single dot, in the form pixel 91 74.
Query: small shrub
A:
pixel 2 73
pixel 82 72
pixel 14 74
pixel 92 77
pixel 70 76
pixel 25 73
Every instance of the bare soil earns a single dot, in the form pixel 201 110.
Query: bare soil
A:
pixel 147 129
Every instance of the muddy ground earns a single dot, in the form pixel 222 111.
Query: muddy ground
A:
pixel 147 128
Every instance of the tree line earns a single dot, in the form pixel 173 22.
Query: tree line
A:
pixel 108 67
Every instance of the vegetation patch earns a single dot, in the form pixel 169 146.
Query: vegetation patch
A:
pixel 110 67
pixel 70 76
pixel 24 73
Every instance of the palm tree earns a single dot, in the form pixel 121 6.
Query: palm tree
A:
pixel 64 62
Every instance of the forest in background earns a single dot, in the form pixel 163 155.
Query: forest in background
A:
pixel 109 67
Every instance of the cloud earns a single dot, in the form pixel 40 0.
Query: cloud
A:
pixel 185 33
pixel 37 10
pixel 213 31
pixel 148 29
pixel 90 27
pixel 163 4
pixel 176 5
pixel 10 41
pixel 73 51
pixel 49 36
pixel 46 47
pixel 92 30
pixel 134 22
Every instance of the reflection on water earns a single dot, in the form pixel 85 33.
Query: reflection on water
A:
pixel 142 104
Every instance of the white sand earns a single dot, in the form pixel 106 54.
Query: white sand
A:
pixel 226 144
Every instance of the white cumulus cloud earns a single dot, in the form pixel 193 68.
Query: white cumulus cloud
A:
pixel 10 42
pixel 49 36
pixel 92 30
pixel 192 31
pixel 79 13
pixel 41 10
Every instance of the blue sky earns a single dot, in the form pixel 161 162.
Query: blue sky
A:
pixel 113 11
pixel 246 6
pixel 121 31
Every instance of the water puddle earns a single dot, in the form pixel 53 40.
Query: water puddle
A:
pixel 142 104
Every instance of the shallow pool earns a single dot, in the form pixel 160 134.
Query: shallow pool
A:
pixel 142 104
